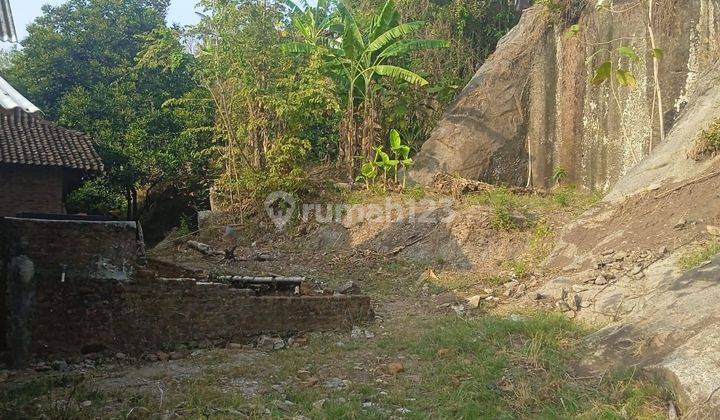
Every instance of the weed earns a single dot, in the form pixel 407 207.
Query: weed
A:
pixel 519 268
pixel 707 144
pixel 696 256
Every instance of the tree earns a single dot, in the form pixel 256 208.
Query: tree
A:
pixel 107 68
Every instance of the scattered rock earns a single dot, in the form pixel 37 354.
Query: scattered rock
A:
pixel 177 355
pixel 335 383
pixel 577 288
pixel 319 404
pixel 350 288
pixel 358 332
pixel 395 368
pixel 663 250
pixel 681 224
pixel 312 381
pixel 607 252
pixel 474 302
pixel 86 403
pixel 267 343
pixel 713 230
pixel 538 296
pixel 601 281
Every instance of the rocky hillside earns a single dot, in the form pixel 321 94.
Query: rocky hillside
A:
pixel 531 107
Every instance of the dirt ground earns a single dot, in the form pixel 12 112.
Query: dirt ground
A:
pixel 429 353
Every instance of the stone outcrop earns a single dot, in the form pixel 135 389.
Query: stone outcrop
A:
pixel 531 107
pixel 662 317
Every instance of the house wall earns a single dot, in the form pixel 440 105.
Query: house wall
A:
pixel 30 189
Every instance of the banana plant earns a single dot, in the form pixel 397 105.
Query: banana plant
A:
pixel 402 154
pixel 314 25
pixel 368 173
pixel 359 58
pixel 383 161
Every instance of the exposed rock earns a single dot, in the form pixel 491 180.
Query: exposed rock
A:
pixel 531 107
pixel 474 302
pixel 601 280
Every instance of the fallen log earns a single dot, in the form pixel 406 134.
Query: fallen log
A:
pixel 204 249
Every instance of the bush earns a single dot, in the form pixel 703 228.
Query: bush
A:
pixel 96 197
pixel 707 144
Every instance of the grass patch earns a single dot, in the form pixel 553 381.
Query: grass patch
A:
pixel 480 367
pixel 695 257
pixel 507 205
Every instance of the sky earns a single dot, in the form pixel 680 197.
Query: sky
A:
pixel 25 11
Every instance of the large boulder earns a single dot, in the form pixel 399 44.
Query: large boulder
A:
pixel 531 108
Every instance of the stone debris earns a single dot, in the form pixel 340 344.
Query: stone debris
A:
pixel 358 333
pixel 267 343
pixel 474 302
pixel 350 288
pixel 336 383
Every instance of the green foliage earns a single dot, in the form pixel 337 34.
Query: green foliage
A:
pixel 111 78
pixel 97 197
pixel 707 143
pixel 559 175
pixel 187 110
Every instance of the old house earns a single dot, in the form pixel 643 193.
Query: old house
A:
pixel 40 162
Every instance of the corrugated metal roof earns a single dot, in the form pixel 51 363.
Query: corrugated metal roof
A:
pixel 11 99
pixel 7 25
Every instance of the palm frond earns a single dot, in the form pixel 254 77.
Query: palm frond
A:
pixel 399 73
pixel 412 45
pixel 385 20
pixel 393 35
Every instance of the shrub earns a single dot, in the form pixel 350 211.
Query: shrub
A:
pixel 707 144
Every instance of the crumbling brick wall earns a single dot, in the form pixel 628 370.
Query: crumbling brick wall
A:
pixel 77 248
pixel 30 189
pixel 146 315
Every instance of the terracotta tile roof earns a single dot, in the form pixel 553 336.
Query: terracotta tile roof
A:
pixel 27 139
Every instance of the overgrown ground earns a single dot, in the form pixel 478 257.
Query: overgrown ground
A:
pixel 423 357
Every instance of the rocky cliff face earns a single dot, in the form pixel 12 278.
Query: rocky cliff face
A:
pixel 531 107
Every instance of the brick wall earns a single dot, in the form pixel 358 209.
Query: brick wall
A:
pixel 147 315
pixel 78 248
pixel 30 189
